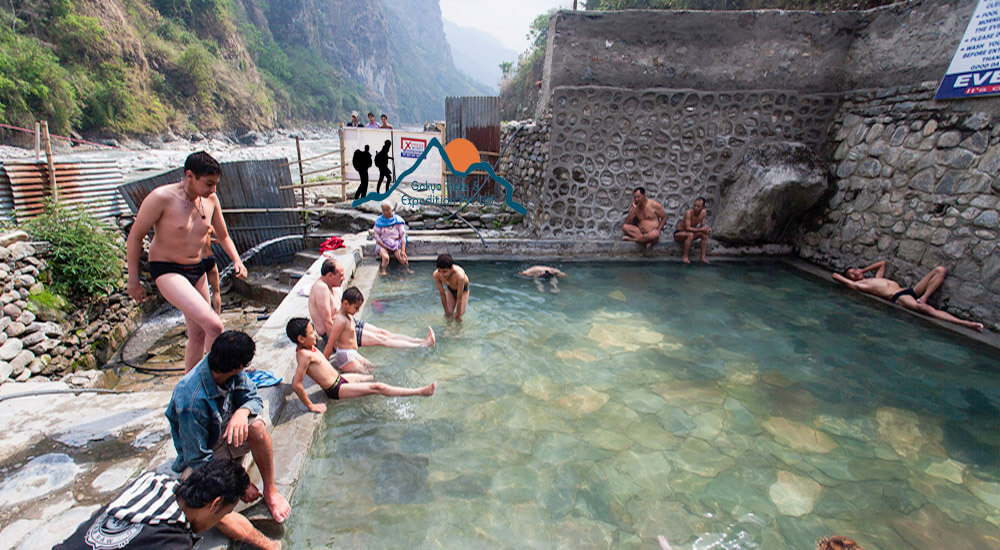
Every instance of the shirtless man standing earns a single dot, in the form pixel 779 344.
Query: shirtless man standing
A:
pixel 324 301
pixel 181 216
pixel 914 298
pixel 452 277
pixel 692 226
pixel 644 220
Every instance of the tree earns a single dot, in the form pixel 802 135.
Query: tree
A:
pixel 506 67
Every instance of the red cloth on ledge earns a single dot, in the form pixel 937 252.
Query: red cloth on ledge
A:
pixel 333 243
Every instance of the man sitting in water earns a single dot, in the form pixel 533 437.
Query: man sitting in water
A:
pixel 544 272
pixel 644 220
pixel 324 300
pixel 157 511
pixel 312 363
pixel 343 334
pixel 451 275
pixel 914 297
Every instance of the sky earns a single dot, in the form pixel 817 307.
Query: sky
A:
pixel 508 20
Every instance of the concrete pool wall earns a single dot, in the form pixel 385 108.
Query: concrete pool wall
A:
pixel 672 101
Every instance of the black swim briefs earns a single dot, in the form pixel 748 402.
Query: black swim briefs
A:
pixel 192 272
pixel 904 292
pixel 333 392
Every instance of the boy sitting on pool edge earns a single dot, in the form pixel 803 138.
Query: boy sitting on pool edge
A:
pixel 310 361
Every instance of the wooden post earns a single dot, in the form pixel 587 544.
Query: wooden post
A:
pixel 38 141
pixel 52 168
pixel 302 179
pixel 343 168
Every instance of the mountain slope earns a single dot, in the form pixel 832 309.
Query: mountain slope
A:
pixel 478 54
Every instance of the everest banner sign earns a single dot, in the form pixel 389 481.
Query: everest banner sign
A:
pixel 975 68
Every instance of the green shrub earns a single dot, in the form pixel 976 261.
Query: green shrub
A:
pixel 86 258
pixel 33 85
pixel 195 65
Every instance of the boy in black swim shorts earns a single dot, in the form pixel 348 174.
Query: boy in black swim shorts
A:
pixel 310 361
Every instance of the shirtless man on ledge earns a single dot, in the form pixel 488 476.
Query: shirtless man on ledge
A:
pixel 182 215
pixel 644 220
pixel 324 301
pixel 914 297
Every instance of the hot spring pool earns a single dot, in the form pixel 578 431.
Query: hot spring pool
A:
pixel 734 406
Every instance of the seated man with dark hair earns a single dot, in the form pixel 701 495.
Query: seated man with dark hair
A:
pixel 914 297
pixel 156 511
pixel 215 413
pixel 644 220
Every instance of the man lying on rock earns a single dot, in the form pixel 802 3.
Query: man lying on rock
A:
pixel 215 412
pixel 914 297
pixel 156 511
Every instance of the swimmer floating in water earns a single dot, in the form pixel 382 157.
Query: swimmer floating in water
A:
pixel 543 272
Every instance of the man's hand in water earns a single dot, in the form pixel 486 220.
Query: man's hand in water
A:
pixel 136 291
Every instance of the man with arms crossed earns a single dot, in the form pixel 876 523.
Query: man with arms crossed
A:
pixel 324 301
pixel 181 216
pixel 644 220
pixel 215 412
pixel 692 226
pixel 914 297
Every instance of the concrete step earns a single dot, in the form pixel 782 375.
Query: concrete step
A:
pixel 290 275
pixel 305 258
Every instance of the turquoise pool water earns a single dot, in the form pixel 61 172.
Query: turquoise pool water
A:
pixel 734 406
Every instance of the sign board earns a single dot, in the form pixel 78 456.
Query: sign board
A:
pixel 405 148
pixel 975 68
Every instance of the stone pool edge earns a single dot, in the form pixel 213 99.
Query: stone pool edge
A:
pixel 295 428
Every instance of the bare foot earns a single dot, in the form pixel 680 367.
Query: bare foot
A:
pixel 978 327
pixel 280 510
pixel 428 390
pixel 664 545
pixel 704 260
pixel 383 272
pixel 686 260
pixel 430 341
pixel 251 494
pixel 275 545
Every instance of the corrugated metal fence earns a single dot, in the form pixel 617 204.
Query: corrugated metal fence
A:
pixel 250 184
pixel 476 119
pixel 90 185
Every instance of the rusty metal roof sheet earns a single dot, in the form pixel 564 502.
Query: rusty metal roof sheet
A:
pixel 90 185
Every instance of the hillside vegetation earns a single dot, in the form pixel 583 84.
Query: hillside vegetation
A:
pixel 134 67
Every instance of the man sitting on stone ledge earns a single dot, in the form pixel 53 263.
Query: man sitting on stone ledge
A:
pixel 914 297
pixel 644 220
pixel 215 412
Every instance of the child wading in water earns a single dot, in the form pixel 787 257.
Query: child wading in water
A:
pixel 311 362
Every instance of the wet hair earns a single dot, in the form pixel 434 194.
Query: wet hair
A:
pixel 384 115
pixel 838 542
pixel 202 164
pixel 371 114
pixel 296 328
pixel 231 351
pixel 702 199
pixel 220 478
pixel 641 190
pixel 353 296
pixel 329 266
pixel 444 261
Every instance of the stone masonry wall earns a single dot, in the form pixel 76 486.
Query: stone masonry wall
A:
pixel 40 342
pixel 523 163
pixel 675 143
pixel 918 184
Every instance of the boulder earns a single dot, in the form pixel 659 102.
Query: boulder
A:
pixel 20 362
pixel 21 250
pixel 768 189
pixel 10 349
